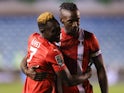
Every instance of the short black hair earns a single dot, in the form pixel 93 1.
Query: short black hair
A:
pixel 68 6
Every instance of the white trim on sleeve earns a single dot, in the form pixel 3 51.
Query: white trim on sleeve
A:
pixel 96 53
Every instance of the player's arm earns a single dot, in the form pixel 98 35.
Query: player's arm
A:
pixel 57 61
pixel 101 72
pixel 99 64
pixel 59 85
pixel 70 80
pixel 30 72
pixel 23 65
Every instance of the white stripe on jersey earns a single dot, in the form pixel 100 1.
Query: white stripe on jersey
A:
pixel 80 58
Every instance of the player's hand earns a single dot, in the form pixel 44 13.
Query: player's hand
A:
pixel 89 72
pixel 38 76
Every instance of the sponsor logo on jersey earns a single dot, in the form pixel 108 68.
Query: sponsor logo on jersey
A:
pixel 59 59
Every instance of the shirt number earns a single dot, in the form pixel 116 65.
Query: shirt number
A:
pixel 32 52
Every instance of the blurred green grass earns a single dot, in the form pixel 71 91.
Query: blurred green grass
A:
pixel 16 87
pixel 118 88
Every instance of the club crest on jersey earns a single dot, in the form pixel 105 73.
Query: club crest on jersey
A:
pixel 59 59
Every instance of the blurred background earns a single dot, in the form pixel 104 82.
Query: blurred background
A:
pixel 105 18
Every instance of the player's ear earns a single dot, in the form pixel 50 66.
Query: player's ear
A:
pixel 41 30
pixel 61 19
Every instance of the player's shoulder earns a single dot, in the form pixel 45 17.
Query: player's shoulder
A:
pixel 54 49
pixel 35 34
pixel 88 34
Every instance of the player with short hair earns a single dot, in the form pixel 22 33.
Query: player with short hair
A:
pixel 42 52
pixel 79 47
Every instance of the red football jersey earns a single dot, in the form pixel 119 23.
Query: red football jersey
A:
pixel 49 58
pixel 77 53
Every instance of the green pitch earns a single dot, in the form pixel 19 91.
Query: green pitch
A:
pixel 118 88
pixel 17 87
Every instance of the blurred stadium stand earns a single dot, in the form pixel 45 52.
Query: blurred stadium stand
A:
pixel 91 7
pixel 18 21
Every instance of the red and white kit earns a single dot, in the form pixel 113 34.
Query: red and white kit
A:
pixel 77 53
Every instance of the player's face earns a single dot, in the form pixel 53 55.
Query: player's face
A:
pixel 70 20
pixel 53 31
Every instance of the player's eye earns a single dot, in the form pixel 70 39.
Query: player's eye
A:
pixel 70 21
pixel 56 30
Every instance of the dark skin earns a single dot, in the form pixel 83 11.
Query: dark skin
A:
pixel 70 20
pixel 52 33
pixel 39 76
pixel 70 23
pixel 101 73
pixel 30 72
pixel 62 77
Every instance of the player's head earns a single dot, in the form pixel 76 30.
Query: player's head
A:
pixel 70 16
pixel 49 27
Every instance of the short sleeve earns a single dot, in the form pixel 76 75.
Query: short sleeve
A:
pixel 55 58
pixel 95 48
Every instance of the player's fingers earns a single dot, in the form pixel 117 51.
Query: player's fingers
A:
pixel 38 79
pixel 35 67
pixel 90 64
pixel 40 76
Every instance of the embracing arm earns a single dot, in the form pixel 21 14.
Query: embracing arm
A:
pixel 23 65
pixel 101 72
pixel 30 72
pixel 70 80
